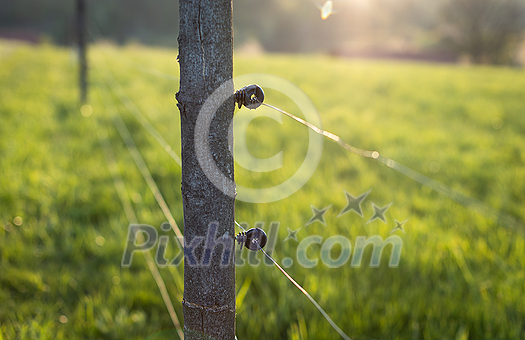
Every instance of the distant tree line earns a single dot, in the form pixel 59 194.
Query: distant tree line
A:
pixel 153 22
pixel 489 31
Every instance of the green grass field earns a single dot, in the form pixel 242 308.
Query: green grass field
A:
pixel 461 276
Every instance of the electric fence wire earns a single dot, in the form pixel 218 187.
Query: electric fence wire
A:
pixel 124 98
pixel 468 202
pixel 312 300
pixel 139 161
pixel 114 86
pixel 137 113
pixel 141 165
pixel 131 216
pixel 319 308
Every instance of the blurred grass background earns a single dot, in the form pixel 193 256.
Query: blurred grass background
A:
pixel 63 229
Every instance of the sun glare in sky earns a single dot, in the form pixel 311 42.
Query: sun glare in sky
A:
pixel 326 9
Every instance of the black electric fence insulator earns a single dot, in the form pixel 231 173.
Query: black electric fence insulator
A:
pixel 251 96
pixel 254 239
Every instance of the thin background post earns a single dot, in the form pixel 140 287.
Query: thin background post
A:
pixel 81 40
pixel 206 61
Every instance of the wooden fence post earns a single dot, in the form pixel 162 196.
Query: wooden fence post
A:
pixel 81 40
pixel 206 62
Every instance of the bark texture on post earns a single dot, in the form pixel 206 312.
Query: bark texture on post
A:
pixel 81 40
pixel 206 62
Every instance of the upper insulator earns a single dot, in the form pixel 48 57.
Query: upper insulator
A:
pixel 251 96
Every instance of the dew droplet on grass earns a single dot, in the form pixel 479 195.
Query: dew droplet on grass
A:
pixel 8 227
pixel 86 110
pixel 497 123
pixel 434 167
pixel 100 241
pixel 115 280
